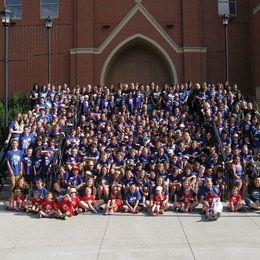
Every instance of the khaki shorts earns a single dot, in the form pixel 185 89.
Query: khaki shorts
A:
pixel 14 179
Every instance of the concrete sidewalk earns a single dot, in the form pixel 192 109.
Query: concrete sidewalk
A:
pixel 124 236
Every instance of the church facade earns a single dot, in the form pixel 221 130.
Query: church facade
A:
pixel 107 41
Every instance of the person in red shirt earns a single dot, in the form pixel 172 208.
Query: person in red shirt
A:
pixel 34 205
pixel 18 200
pixel 115 201
pixel 75 200
pixel 89 203
pixel 65 208
pixel 187 197
pixel 235 200
pixel 186 200
pixel 215 206
pixel 158 199
pixel 48 206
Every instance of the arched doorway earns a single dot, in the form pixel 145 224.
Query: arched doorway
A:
pixel 138 59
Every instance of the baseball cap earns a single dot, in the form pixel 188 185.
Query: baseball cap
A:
pixel 73 190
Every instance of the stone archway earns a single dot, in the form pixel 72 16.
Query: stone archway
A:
pixel 141 59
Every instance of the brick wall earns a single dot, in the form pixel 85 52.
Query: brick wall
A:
pixel 88 23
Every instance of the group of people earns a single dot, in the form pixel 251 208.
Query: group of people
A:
pixel 131 147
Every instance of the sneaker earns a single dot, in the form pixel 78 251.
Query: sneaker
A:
pixel 66 218
pixel 210 216
pixel 98 210
pixel 217 215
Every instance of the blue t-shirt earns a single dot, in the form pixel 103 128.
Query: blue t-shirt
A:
pixel 28 165
pixel 43 192
pixel 15 157
pixel 255 194
pixel 75 181
pixel 131 198
pixel 25 141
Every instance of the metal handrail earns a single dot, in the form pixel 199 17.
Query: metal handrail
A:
pixel 224 158
pixel 77 113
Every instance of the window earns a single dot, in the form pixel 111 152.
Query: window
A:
pixel 227 7
pixel 15 6
pixel 49 8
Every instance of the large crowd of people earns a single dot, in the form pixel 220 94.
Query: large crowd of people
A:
pixel 133 147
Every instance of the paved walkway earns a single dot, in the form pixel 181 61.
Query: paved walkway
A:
pixel 124 236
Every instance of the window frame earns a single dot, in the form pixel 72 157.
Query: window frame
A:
pixel 58 9
pixel 228 2
pixel 10 8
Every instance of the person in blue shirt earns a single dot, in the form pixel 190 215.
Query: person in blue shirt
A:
pixel 127 180
pixel 39 187
pixel 92 153
pixel 131 158
pixel 26 139
pixel 28 166
pixel 253 201
pixel 102 183
pixel 75 180
pixel 174 182
pixel 46 166
pixel 85 104
pixel 14 162
pixel 73 158
pixel 132 199
pixel 256 138
pixel 161 156
pixel 42 117
pixel 15 128
pixel 226 140
pixel 139 99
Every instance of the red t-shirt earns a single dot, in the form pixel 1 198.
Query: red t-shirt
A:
pixel 48 205
pixel 37 202
pixel 157 199
pixel 235 199
pixel 119 202
pixel 20 198
pixel 187 199
pixel 66 206
pixel 210 197
pixel 75 202
pixel 89 198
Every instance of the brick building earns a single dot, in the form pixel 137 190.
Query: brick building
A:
pixel 105 41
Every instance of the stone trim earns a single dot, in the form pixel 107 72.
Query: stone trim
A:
pixel 132 38
pixel 138 7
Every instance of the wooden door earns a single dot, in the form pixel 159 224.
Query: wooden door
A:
pixel 138 63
